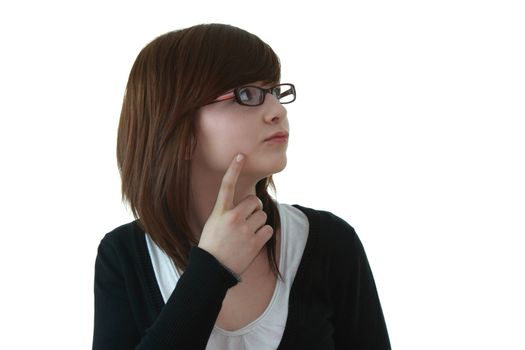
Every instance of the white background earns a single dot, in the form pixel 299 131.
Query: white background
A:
pixel 409 124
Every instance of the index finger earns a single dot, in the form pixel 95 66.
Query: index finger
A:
pixel 229 180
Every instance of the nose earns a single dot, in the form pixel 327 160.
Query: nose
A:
pixel 273 110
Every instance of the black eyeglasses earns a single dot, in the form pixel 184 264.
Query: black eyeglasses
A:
pixel 254 96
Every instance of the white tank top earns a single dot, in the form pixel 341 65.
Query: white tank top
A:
pixel 266 331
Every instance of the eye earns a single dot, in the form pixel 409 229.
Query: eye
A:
pixel 246 94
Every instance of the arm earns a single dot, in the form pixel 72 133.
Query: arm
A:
pixel 233 235
pixel 359 321
pixel 185 322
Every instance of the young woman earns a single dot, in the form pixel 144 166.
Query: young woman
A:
pixel 212 261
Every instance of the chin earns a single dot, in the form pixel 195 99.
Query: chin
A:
pixel 276 167
pixel 261 166
pixel 281 168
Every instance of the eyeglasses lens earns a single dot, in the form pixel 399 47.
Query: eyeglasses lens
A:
pixel 250 96
pixel 254 96
pixel 284 93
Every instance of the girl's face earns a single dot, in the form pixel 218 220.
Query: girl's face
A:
pixel 226 128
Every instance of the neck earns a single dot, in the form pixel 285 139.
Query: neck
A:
pixel 204 188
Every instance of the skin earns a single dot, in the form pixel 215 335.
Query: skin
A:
pixel 225 129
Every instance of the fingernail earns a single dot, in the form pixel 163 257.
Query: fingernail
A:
pixel 239 157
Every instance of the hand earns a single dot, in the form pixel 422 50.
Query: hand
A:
pixel 235 235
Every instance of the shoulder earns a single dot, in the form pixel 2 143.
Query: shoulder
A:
pixel 123 241
pixel 329 224
pixel 122 234
pixel 331 232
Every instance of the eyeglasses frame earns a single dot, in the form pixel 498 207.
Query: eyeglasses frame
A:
pixel 235 94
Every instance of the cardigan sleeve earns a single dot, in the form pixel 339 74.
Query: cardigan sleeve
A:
pixel 358 317
pixel 185 321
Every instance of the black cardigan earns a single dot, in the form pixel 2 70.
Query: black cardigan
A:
pixel 333 301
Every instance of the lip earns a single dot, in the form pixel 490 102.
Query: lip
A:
pixel 278 136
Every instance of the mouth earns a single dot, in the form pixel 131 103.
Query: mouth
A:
pixel 278 137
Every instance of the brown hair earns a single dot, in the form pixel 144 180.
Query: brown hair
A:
pixel 172 77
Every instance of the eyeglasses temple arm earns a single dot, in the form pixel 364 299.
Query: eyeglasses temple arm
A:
pixel 226 96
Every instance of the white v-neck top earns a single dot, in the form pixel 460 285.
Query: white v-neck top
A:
pixel 266 331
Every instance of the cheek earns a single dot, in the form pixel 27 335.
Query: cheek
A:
pixel 220 139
